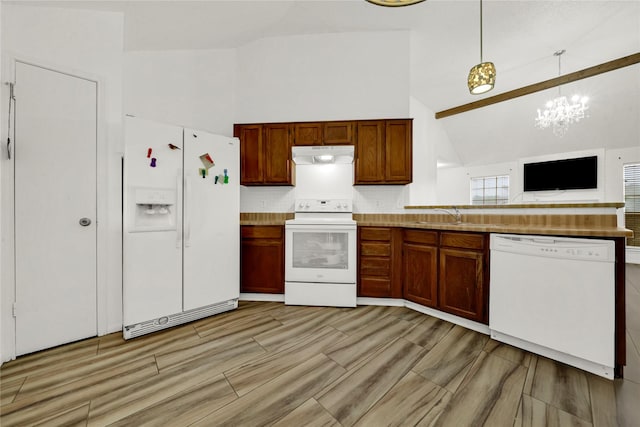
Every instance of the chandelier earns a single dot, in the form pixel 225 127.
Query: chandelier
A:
pixel 559 113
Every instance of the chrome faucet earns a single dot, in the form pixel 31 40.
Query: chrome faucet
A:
pixel 457 215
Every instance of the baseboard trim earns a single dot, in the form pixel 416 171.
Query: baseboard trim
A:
pixel 262 297
pixel 632 255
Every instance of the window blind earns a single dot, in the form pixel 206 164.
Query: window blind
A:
pixel 632 202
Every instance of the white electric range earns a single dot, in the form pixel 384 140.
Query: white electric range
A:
pixel 320 254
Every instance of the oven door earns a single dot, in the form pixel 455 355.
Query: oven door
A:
pixel 320 253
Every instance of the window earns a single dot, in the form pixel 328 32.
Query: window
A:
pixel 632 202
pixel 490 190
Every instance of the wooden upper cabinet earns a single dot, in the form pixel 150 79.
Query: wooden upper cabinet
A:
pixel 277 143
pixel 384 152
pixel 383 149
pixel 324 133
pixel 265 154
pixel 398 151
pixel 338 133
pixel 252 153
pixel 307 133
pixel 369 156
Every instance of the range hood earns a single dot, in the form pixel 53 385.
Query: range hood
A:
pixel 322 154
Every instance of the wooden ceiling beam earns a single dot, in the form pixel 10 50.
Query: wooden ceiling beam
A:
pixel 547 84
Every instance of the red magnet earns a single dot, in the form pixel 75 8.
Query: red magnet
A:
pixel 149 152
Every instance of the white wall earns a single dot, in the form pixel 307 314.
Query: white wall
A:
pixel 341 76
pixel 454 185
pixel 87 43
pixel 324 77
pixel 187 88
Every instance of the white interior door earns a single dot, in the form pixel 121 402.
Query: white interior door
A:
pixel 55 208
pixel 211 219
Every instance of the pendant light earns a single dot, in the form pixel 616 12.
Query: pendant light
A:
pixel 482 77
pixel 394 3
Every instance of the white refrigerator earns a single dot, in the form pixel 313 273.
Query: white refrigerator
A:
pixel 181 225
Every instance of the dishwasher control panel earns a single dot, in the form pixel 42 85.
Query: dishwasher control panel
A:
pixel 555 247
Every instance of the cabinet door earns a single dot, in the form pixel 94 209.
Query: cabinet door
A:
pixel 277 154
pixel 461 283
pixel 420 274
pixel 262 260
pixel 398 149
pixel 369 168
pixel 307 134
pixel 338 133
pixel 251 153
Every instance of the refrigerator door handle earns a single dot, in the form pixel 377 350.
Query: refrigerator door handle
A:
pixel 187 216
pixel 179 225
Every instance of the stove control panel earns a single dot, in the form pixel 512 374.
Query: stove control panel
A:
pixel 324 205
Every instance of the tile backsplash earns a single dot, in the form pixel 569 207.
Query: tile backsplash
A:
pixel 366 199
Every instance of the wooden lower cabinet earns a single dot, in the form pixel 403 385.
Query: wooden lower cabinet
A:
pixel 463 275
pixel 461 283
pixel 379 256
pixel 420 267
pixel 447 271
pixel 420 274
pixel 262 259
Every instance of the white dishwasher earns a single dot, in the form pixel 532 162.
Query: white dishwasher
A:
pixel 555 296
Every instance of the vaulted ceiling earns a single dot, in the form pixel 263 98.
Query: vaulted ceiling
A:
pixel 520 37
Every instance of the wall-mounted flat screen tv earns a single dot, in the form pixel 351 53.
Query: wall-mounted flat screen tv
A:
pixel 566 174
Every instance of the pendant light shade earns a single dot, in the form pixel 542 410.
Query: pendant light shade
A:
pixel 482 78
pixel 394 3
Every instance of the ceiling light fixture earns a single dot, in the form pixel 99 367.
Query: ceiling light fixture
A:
pixel 559 113
pixel 482 77
pixel 394 3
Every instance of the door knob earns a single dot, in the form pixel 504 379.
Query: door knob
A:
pixel 85 222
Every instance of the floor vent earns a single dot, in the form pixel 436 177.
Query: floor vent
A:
pixel 143 328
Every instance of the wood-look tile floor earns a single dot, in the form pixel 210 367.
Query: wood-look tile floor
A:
pixel 271 364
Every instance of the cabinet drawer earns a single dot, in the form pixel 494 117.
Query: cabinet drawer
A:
pixel 375 249
pixel 375 287
pixel 462 240
pixel 421 236
pixel 372 233
pixel 375 266
pixel 261 232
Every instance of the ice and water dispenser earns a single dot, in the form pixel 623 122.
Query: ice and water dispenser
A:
pixel 153 209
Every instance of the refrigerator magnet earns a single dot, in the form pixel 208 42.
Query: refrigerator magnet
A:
pixel 207 161
pixel 174 147
pixel 226 177
pixel 203 172
pixel 153 162
pixel 149 150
